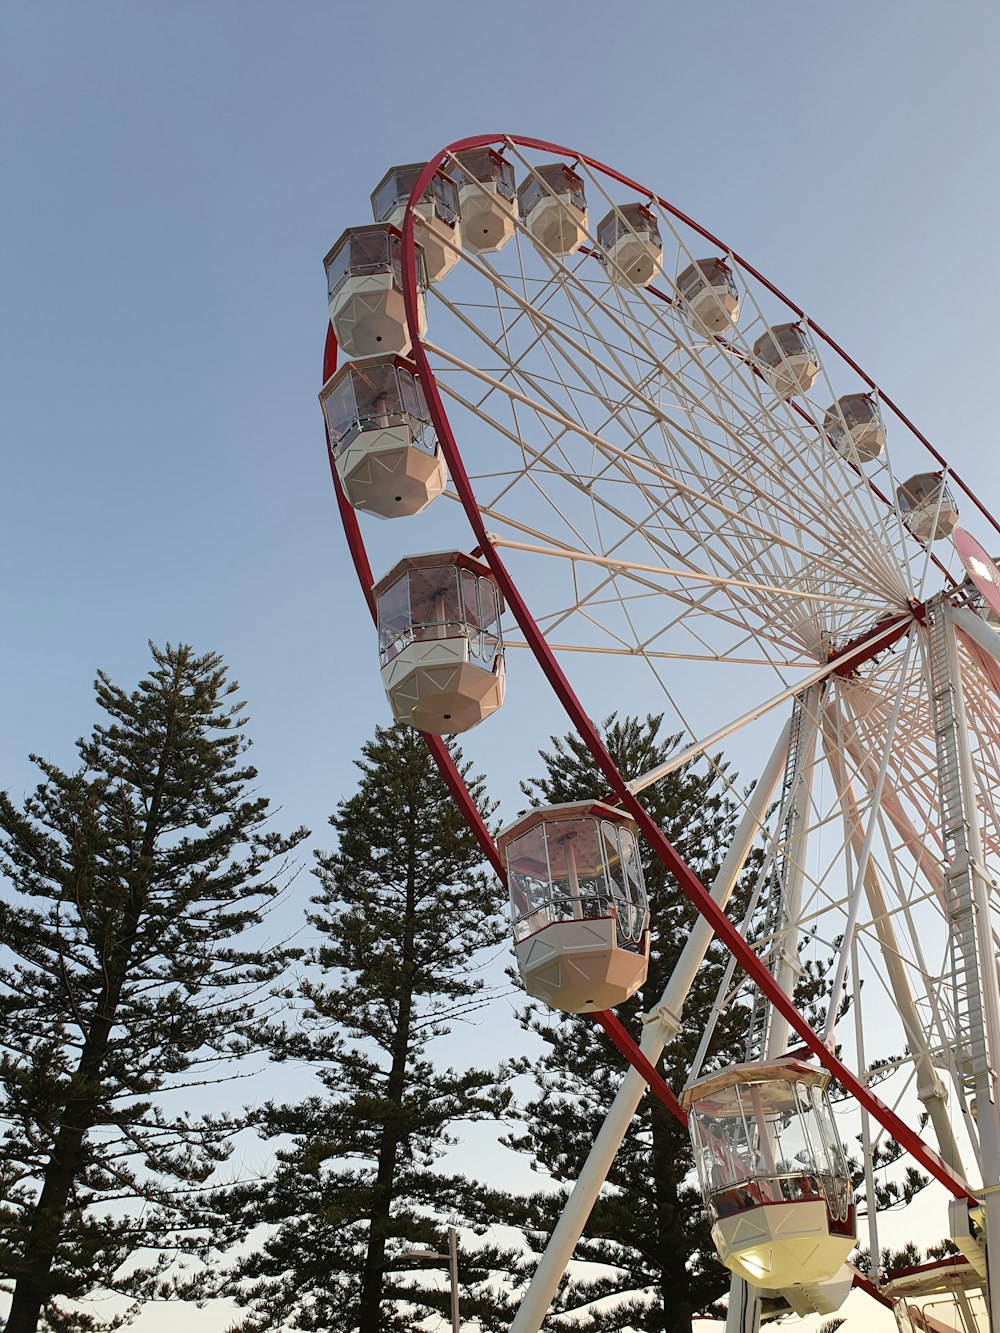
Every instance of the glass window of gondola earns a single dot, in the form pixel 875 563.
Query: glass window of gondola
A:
pixel 481 610
pixel 423 603
pixel 711 272
pixel 767 1136
pixel 341 412
pixel 625 881
pixel 435 608
pixel 577 866
pixel 782 340
pixel 627 220
pixel 397 186
pixel 416 409
pixel 529 883
pixel 376 395
pixel 365 251
pixel 552 178
pixel 394 622
pixel 490 608
pixel 563 862
pixel 487 166
pixel 926 488
pixel 857 409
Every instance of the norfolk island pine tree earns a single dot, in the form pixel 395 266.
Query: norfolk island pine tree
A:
pixel 405 913
pixel 128 884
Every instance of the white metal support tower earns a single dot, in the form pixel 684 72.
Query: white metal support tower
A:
pixel 968 887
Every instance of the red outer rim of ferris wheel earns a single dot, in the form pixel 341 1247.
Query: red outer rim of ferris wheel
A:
pixel 685 877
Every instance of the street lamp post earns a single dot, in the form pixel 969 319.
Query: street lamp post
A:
pixel 451 1258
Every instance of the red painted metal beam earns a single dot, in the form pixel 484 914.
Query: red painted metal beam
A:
pixel 622 1038
pixel 861 650
pixel 868 1286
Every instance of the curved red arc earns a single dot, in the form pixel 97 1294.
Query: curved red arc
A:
pixel 687 880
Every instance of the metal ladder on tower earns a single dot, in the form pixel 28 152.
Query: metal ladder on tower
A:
pixel 975 1063
pixel 775 916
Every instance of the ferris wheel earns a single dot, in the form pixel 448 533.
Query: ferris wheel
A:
pixel 654 476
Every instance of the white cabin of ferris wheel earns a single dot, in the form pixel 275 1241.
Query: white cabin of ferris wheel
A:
pixel 486 198
pixel 364 273
pixel 383 443
pixel 440 643
pixel 773 1176
pixel 578 905
pixel 787 359
pixel 554 208
pixel 632 246
pixel 854 427
pixel 438 229
pixel 709 295
pixel 927 506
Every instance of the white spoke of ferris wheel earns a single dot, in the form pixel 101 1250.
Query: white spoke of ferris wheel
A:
pixel 929 978
pixel 886 514
pixel 739 604
pixel 926 870
pixel 929 868
pixel 878 510
pixel 819 475
pixel 929 1088
pixel 631 460
pixel 611 450
pixel 748 635
pixel 726 992
pixel 969 888
pixel 624 382
pixel 628 567
pixel 650 654
pixel 820 513
pixel 864 856
pixel 859 746
pixel 698 747
pixel 874 1250
pixel 566 424
pixel 784 948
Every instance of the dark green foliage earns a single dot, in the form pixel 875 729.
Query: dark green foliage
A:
pixel 128 882
pixel 404 913
pixel 909 1255
pixel 890 1191
pixel 648 1224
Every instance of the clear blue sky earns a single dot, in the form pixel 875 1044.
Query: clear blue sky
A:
pixel 174 173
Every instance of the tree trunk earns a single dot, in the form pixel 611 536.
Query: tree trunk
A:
pixel 675 1293
pixel 33 1286
pixel 373 1276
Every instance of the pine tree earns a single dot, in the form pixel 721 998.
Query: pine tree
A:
pixel 648 1224
pixel 129 884
pixel 405 913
